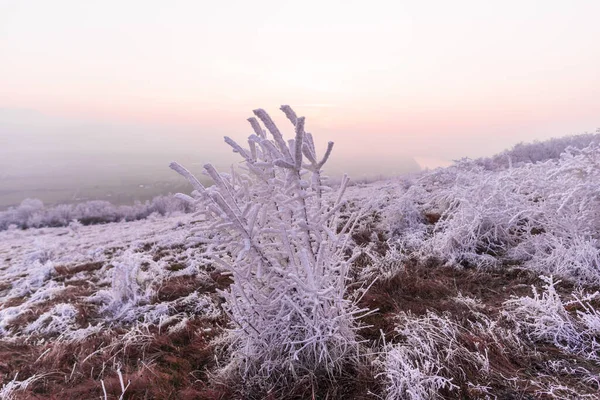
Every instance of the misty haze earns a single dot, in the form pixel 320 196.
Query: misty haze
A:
pixel 62 161
pixel 291 200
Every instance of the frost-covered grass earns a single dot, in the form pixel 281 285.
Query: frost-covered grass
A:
pixel 544 216
pixel 115 269
pixel 483 281
pixel 572 325
pixel 84 303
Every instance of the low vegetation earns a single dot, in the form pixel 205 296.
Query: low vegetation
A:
pixel 32 213
pixel 474 282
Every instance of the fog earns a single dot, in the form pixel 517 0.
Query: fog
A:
pixel 62 160
pixel 96 98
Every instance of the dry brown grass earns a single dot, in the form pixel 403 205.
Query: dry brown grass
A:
pixel 162 366
pixel 62 270
pixel 179 365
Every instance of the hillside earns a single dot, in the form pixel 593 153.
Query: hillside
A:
pixel 483 279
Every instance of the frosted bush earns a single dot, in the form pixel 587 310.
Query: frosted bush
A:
pixel 75 226
pixel 523 153
pixel 545 216
pixel 481 220
pixel 405 216
pixel 428 356
pixel 382 267
pixel 413 376
pixel 32 213
pixel 545 318
pixel 435 356
pixel 277 234
pixel 575 257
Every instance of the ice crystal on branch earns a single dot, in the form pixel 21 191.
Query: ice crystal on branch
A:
pixel 284 244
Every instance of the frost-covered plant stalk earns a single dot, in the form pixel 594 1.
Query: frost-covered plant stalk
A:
pixel 284 245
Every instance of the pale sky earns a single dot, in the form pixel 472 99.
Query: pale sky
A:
pixel 431 80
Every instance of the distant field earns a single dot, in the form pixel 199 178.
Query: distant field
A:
pixel 117 183
pixel 117 193
pixel 123 182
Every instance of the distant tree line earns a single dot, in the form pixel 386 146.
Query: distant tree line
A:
pixel 32 213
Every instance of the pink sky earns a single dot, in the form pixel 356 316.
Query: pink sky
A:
pixel 434 80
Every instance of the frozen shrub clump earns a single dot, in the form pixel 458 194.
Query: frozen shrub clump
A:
pixel 278 235
pixel 545 318
pixel 428 357
pixel 543 216
pixel 437 356
pixel 537 151
pixel 32 213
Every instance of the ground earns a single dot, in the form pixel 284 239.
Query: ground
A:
pixel 132 310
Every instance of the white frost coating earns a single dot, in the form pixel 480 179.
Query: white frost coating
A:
pixel 277 236
pixel 538 216
pixel 132 286
pixel 544 318
pixel 59 319
pixel 416 369
pixel 202 305
pixel 31 213
pixel 544 216
pixel 274 131
pixel 433 351
pixel 126 249
pixel 9 389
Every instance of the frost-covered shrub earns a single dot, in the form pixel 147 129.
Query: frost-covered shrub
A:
pixel 483 216
pixel 432 352
pixel 413 370
pixel 405 217
pixel 282 242
pixel 133 283
pixel 544 215
pixel 382 267
pixel 96 211
pixel 545 318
